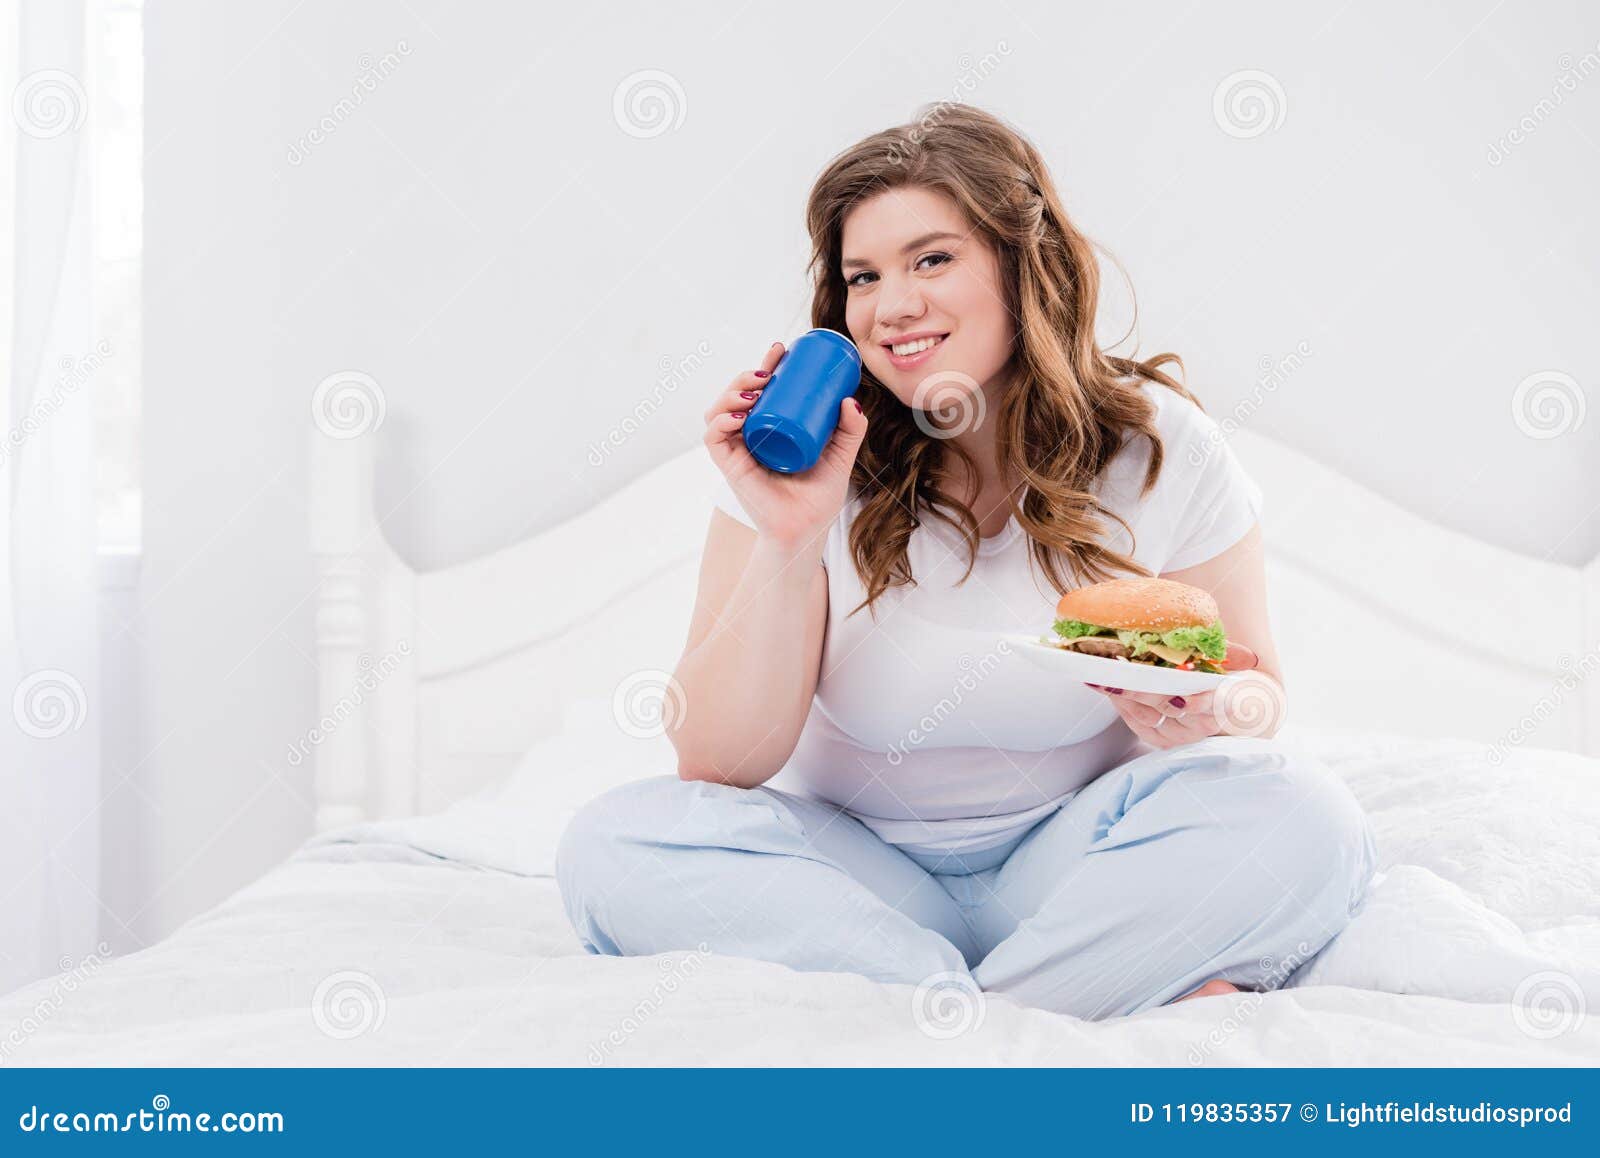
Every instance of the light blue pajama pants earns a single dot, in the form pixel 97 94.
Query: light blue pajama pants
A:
pixel 1230 858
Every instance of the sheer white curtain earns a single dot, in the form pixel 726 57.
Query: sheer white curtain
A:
pixel 49 653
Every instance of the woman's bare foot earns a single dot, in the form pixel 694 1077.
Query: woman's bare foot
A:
pixel 1209 989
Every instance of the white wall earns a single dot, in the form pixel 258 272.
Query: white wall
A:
pixel 481 237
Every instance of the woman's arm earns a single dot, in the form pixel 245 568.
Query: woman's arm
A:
pixel 752 660
pixel 751 663
pixel 1237 580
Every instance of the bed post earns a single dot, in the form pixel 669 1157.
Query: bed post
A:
pixel 342 523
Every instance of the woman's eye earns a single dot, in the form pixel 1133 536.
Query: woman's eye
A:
pixel 938 259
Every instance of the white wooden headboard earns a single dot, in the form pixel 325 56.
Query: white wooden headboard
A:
pixel 432 684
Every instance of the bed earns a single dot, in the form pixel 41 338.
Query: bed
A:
pixel 421 926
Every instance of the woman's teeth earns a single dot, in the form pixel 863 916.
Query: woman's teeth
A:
pixel 907 348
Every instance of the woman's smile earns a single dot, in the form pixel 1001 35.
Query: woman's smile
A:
pixel 913 349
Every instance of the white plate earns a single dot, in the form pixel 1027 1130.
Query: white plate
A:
pixel 1116 673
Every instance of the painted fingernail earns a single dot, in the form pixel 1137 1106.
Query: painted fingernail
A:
pixel 1178 702
pixel 1096 687
pixel 1115 691
pixel 857 405
pixel 738 413
pixel 762 373
pixel 748 394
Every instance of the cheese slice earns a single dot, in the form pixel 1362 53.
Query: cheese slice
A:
pixel 1171 654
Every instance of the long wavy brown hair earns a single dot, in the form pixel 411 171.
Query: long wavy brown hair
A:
pixel 1069 407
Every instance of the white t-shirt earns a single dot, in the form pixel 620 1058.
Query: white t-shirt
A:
pixel 926 725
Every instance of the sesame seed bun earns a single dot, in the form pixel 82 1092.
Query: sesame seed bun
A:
pixel 1139 605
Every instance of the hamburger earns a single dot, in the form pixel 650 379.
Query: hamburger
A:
pixel 1154 621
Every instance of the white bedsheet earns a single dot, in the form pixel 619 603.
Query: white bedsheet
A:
pixel 370 950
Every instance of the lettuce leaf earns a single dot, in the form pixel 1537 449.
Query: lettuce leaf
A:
pixel 1073 628
pixel 1211 641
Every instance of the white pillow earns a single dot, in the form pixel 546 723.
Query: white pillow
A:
pixel 514 825
pixel 595 751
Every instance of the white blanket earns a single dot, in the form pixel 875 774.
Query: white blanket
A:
pixel 1476 947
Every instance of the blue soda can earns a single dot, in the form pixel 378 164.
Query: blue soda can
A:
pixel 798 409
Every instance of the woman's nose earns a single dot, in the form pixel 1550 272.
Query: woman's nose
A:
pixel 898 307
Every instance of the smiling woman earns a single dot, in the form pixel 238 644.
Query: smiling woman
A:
pixel 931 790
pixel 959 275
